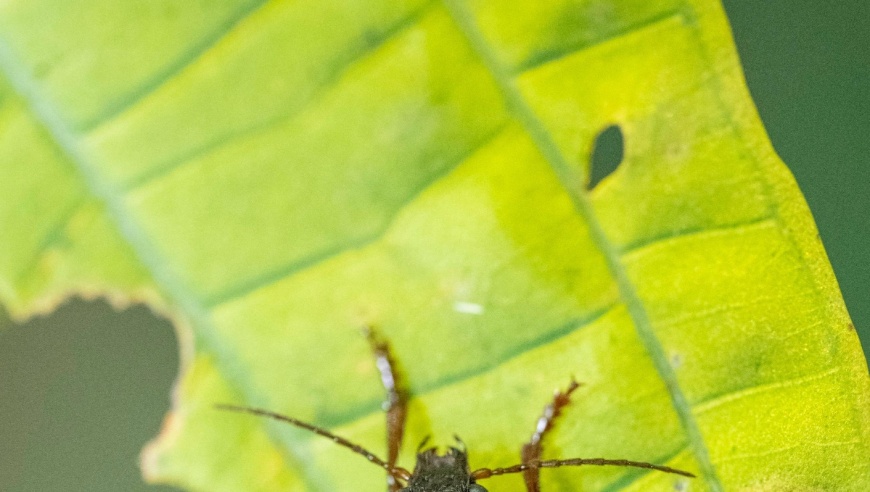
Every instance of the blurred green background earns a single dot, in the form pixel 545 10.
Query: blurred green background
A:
pixel 82 390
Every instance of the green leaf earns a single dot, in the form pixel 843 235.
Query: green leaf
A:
pixel 275 175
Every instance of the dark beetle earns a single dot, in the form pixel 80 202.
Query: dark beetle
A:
pixel 449 472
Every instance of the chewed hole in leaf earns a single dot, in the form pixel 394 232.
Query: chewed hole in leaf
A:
pixel 85 388
pixel 607 154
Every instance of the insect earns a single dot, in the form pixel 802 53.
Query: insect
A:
pixel 448 472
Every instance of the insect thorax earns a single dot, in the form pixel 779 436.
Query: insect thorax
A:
pixel 442 473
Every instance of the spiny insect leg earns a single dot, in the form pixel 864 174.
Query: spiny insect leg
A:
pixel 531 451
pixel 396 404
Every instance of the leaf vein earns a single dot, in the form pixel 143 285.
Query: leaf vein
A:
pixel 548 337
pixel 103 191
pixel 245 288
pixel 726 307
pixel 150 86
pixel 51 238
pixel 719 400
pixel 663 240
pixel 331 81
pixel 554 56
pixel 573 183
pixel 762 454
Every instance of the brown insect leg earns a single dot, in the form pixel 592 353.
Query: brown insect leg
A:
pixel 531 451
pixel 396 404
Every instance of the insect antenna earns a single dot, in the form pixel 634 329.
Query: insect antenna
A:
pixel 395 471
pixel 487 472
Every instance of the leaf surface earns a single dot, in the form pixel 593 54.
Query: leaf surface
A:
pixel 276 174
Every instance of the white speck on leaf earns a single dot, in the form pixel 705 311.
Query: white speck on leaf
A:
pixel 468 307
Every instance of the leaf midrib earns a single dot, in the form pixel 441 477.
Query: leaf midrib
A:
pixel 572 182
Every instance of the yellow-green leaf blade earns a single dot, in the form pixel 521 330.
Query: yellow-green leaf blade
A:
pixel 421 167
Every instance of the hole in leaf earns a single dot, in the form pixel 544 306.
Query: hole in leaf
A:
pixel 83 390
pixel 607 153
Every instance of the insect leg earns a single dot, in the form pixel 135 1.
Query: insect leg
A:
pixel 531 451
pixel 396 404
